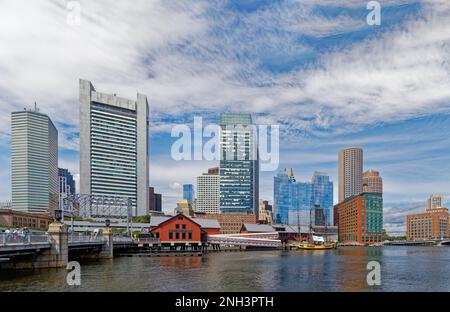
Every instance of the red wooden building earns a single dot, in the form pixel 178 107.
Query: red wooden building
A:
pixel 181 230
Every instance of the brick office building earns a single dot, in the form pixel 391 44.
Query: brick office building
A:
pixel 433 224
pixel 230 223
pixel 14 218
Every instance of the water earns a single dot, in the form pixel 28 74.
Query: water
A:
pixel 402 269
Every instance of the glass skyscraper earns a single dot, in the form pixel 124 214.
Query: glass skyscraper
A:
pixel 239 166
pixel 188 193
pixel 34 162
pixel 295 202
pixel 114 146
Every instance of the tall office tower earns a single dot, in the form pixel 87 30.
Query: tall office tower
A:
pixel 66 185
pixel 372 182
pixel 188 193
pixel 323 196
pixel 114 146
pixel 435 201
pixel 154 200
pixel 282 196
pixel 208 194
pixel 350 172
pixel 239 166
pixel 34 162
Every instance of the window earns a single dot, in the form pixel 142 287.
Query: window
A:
pixel 183 235
pixel 177 235
pixel 170 235
pixel 190 235
pixel 177 226
pixel 184 226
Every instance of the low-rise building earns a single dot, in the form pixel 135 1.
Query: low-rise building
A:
pixel 432 224
pixel 183 230
pixel 230 223
pixel 14 218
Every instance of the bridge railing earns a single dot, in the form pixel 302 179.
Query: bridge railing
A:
pixel 84 238
pixel 17 238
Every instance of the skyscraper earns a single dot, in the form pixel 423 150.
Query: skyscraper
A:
pixel 188 193
pixel 435 201
pixel 208 185
pixel 372 182
pixel 34 162
pixel 154 199
pixel 239 166
pixel 114 146
pixel 350 172
pixel 66 185
pixel 323 195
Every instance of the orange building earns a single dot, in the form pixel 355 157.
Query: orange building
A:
pixel 230 223
pixel 360 219
pixel 433 224
pixel 183 230
pixel 32 220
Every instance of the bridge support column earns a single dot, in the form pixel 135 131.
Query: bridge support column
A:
pixel 107 248
pixel 58 254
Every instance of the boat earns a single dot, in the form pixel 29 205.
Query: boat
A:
pixel 314 242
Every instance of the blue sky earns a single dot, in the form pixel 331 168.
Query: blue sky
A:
pixel 313 67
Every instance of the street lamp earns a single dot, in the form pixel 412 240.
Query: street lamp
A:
pixel 107 222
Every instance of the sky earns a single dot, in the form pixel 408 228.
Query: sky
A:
pixel 315 68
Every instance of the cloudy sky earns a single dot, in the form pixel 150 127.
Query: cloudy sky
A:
pixel 316 68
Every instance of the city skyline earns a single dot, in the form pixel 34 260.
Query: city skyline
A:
pixel 403 129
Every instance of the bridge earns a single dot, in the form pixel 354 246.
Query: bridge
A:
pixel 428 242
pixel 269 239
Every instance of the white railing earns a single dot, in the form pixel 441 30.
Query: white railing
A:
pixel 84 238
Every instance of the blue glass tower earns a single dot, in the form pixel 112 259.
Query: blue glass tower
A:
pixel 188 193
pixel 295 202
pixel 239 167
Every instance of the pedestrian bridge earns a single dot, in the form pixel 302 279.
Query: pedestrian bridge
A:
pixel 246 239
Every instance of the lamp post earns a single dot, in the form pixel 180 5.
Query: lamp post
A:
pixel 58 215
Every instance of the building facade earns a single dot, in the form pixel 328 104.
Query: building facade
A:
pixel 230 223
pixel 188 193
pixel 350 172
pixel 34 162
pixel 183 207
pixel 32 220
pixel 433 224
pixel 155 200
pixel 372 182
pixel 265 212
pixel 239 166
pixel 114 146
pixel 360 219
pixel 295 202
pixel 208 192
pixel 435 201
pixel 66 185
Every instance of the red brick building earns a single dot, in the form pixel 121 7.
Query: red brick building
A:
pixel 183 230
pixel 14 218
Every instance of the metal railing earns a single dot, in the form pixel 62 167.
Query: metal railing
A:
pixel 85 238
pixel 17 238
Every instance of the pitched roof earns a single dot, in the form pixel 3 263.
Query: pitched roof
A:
pixel 260 228
pixel 204 223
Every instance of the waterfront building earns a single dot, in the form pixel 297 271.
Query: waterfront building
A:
pixel 323 197
pixel 208 192
pixel 350 172
pixel 34 162
pixel 184 208
pixel 265 212
pixel 435 201
pixel 18 219
pixel 230 223
pixel 294 202
pixel 188 193
pixel 155 200
pixel 256 228
pixel 372 182
pixel 433 224
pixel 114 156
pixel 66 185
pixel 239 166
pixel 360 219
pixel 182 230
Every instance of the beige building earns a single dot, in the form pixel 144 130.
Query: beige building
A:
pixel 208 192
pixel 13 218
pixel 433 224
pixel 435 201
pixel 265 212
pixel 230 223
pixel 350 172
pixel 185 208
pixel 372 182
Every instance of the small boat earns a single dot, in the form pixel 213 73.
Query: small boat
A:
pixel 318 243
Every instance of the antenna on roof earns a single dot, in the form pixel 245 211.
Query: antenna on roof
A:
pixel 35 107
